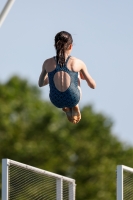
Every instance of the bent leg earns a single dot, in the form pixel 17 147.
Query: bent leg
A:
pixel 68 112
pixel 73 114
pixel 76 115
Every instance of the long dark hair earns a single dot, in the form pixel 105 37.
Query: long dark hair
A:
pixel 62 41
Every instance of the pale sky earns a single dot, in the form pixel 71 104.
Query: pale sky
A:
pixel 102 31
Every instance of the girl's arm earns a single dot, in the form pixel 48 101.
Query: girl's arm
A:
pixel 43 79
pixel 81 76
pixel 86 76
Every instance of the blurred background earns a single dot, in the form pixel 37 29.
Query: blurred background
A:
pixel 102 33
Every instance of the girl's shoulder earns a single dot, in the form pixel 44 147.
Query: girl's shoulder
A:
pixel 77 60
pixel 49 60
pixel 75 64
pixel 49 64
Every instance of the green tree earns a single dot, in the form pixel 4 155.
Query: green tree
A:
pixel 34 132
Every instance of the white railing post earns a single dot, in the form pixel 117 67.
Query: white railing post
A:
pixel 119 182
pixel 72 191
pixel 4 179
pixel 59 188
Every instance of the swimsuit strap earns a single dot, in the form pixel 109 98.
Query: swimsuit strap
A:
pixel 67 60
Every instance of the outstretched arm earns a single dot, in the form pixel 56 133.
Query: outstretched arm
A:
pixel 43 79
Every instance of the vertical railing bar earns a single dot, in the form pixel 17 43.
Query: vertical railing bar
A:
pixel 5 179
pixel 59 189
pixel 119 182
pixel 72 190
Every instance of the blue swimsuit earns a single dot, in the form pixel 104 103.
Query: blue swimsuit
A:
pixel 71 96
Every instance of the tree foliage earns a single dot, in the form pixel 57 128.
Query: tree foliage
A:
pixel 34 132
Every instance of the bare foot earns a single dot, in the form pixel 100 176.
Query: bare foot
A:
pixel 68 112
pixel 76 115
pixel 73 114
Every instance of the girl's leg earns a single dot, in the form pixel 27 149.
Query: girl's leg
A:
pixel 73 114
pixel 68 112
pixel 76 115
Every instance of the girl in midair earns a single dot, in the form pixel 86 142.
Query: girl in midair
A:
pixel 63 74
